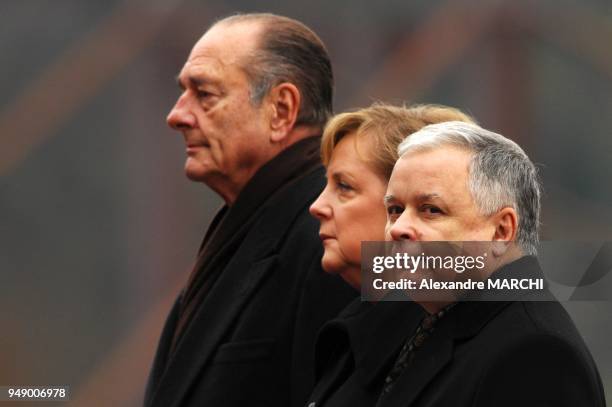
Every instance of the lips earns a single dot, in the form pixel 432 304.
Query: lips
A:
pixel 324 236
pixel 193 148
pixel 195 139
pixel 197 145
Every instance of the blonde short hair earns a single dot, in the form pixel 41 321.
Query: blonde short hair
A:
pixel 386 126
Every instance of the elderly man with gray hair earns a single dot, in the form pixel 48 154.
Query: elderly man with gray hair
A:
pixel 455 181
pixel 255 93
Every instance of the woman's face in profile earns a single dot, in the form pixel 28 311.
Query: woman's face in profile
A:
pixel 350 209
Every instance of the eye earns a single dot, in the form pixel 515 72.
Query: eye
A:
pixel 431 210
pixel 343 186
pixel 203 94
pixel 394 212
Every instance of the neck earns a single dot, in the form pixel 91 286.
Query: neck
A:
pixel 229 188
pixel 297 134
pixel 228 191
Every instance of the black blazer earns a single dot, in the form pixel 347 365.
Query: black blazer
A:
pixel 496 353
pixel 251 341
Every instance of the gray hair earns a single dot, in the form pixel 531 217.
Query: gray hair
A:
pixel 289 51
pixel 500 173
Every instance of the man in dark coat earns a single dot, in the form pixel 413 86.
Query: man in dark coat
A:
pixel 458 182
pixel 256 91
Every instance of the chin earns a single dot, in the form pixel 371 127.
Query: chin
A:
pixel 197 172
pixel 331 264
pixel 194 176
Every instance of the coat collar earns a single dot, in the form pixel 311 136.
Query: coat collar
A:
pixel 373 332
pixel 231 222
pixel 478 308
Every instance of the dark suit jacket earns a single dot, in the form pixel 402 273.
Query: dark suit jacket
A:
pixel 494 353
pixel 251 341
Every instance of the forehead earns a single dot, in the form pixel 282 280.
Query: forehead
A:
pixel 442 170
pixel 351 150
pixel 223 47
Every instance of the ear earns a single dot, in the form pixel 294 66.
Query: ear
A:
pixel 285 101
pixel 506 225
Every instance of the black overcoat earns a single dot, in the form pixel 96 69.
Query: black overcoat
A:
pixel 481 354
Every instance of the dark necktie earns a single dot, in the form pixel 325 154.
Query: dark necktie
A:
pixel 407 352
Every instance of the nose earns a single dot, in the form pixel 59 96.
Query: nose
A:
pixel 402 229
pixel 320 208
pixel 181 117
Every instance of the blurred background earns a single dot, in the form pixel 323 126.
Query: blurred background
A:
pixel 99 227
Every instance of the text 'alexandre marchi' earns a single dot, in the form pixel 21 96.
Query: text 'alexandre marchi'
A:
pixel 469 284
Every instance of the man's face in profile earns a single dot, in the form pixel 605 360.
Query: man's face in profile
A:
pixel 428 199
pixel 224 132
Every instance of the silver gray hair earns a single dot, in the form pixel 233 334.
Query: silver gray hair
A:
pixel 500 173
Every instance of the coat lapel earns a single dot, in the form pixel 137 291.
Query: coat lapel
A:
pixel 377 339
pixel 208 327
pixel 370 335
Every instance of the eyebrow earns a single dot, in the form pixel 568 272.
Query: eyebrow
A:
pixel 191 79
pixel 426 197
pixel 339 174
pixel 421 197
